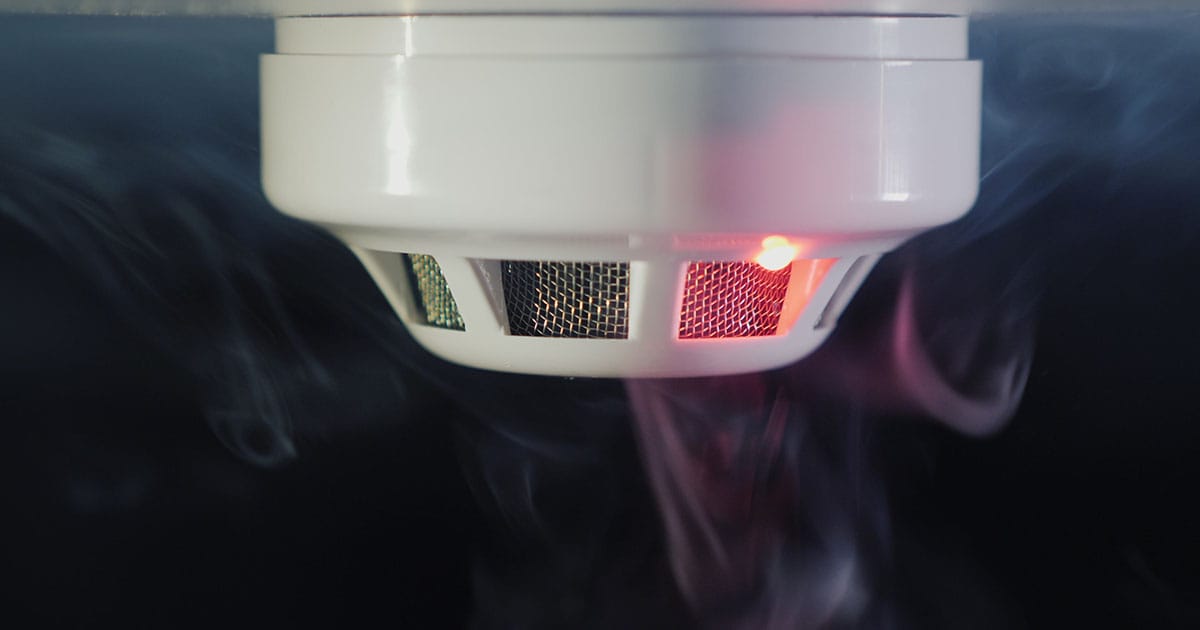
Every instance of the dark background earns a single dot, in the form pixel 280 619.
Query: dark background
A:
pixel 206 415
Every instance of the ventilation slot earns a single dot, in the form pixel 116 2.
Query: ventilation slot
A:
pixel 722 300
pixel 435 303
pixel 585 300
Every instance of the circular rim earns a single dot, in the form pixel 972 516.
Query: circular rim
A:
pixel 836 37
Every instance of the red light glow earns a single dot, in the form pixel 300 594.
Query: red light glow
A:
pixel 723 300
pixel 777 253
pixel 732 299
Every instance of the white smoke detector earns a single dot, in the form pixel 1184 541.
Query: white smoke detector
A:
pixel 621 195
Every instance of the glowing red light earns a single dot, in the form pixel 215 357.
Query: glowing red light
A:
pixel 777 253
pixel 725 300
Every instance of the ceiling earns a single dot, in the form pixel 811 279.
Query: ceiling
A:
pixel 350 7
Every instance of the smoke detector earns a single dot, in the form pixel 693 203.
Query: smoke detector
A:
pixel 621 195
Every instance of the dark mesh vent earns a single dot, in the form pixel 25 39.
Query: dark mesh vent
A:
pixel 567 299
pixel 732 299
pixel 434 300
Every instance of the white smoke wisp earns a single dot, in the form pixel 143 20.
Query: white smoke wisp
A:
pixel 767 521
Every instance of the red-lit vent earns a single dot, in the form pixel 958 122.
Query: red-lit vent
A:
pixel 732 299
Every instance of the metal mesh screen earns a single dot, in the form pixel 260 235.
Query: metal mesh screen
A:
pixel 567 299
pixel 732 299
pixel 435 302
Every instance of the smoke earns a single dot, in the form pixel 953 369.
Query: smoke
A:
pixel 1067 94
pixel 130 150
pixel 770 500
pixel 770 515
pixel 140 169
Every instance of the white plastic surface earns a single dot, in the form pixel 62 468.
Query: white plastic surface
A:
pixel 625 36
pixel 653 140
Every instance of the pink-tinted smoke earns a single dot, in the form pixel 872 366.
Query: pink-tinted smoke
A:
pixel 773 515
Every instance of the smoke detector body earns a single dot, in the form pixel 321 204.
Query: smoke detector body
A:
pixel 624 195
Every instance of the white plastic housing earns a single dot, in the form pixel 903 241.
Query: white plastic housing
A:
pixel 654 140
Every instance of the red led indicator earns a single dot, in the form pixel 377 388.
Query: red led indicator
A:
pixel 777 253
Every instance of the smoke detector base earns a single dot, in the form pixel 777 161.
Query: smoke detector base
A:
pixel 622 196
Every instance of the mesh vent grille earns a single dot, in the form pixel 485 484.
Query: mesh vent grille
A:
pixel 732 299
pixel 567 299
pixel 435 302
